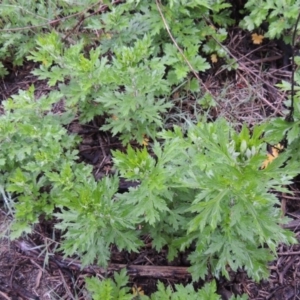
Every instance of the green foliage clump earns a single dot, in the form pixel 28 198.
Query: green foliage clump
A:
pixel 117 290
pixel 22 20
pixel 131 89
pixel 33 141
pixel 93 221
pixel 110 289
pixel 95 85
pixel 38 165
pixel 202 190
pixel 207 192
pixel 279 16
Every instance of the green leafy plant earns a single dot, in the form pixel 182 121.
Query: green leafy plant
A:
pixel 93 221
pixel 117 289
pixel 110 289
pixel 21 21
pixel 279 15
pixel 210 194
pixel 33 141
pixel 234 202
pixel 41 171
pixel 202 191
pixel 94 85
pixel 132 88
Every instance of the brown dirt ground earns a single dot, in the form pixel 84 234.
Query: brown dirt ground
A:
pixel 29 268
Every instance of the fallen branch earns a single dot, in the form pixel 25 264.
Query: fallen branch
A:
pixel 162 272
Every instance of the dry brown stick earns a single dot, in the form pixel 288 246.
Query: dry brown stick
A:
pixel 67 288
pixel 134 270
pixel 164 272
pixel 5 296
pixel 38 278
pixel 289 253
pixel 291 197
pixel 286 268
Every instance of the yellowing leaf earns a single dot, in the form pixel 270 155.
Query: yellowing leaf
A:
pixel 272 154
pixel 114 117
pixel 136 291
pixel 214 58
pixel 257 38
pixel 108 36
pixel 145 141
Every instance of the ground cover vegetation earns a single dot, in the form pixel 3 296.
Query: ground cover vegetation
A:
pixel 200 184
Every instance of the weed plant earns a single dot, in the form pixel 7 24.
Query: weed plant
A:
pixel 203 190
